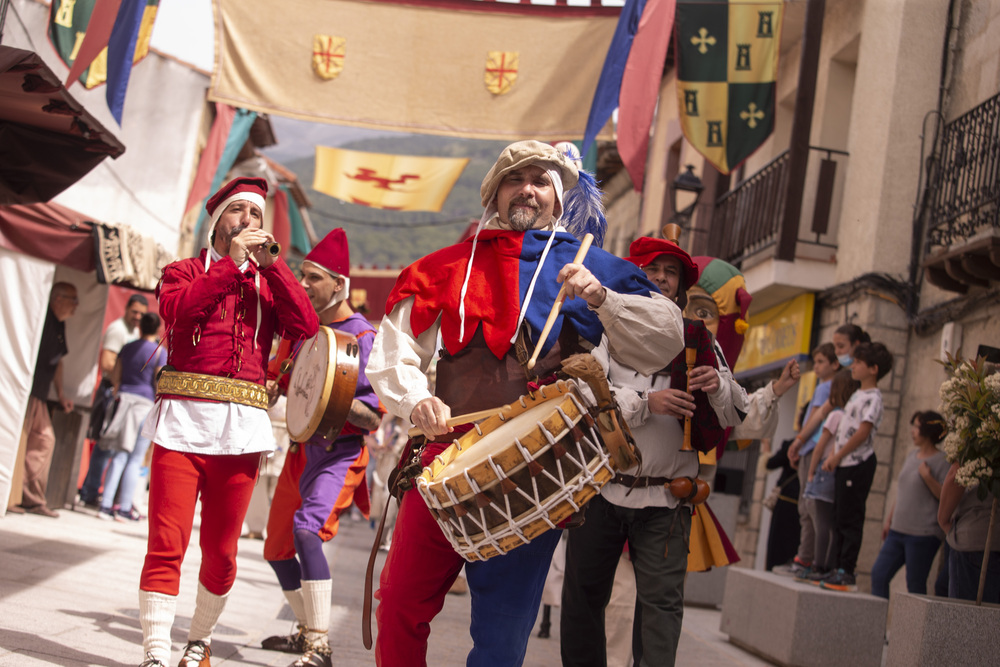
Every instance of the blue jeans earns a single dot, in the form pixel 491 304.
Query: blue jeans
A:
pixel 963 575
pixel 123 476
pixel 915 551
pixel 90 492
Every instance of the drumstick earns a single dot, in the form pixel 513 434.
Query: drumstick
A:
pixel 460 419
pixel 690 355
pixel 554 313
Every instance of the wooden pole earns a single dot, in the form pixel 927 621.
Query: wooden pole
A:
pixel 554 313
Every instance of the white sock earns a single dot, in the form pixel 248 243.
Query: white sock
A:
pixel 318 598
pixel 298 605
pixel 156 615
pixel 207 609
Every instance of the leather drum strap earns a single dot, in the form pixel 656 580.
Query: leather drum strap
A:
pixel 366 611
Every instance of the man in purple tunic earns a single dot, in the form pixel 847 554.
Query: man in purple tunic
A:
pixel 317 485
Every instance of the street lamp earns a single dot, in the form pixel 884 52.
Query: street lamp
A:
pixel 689 185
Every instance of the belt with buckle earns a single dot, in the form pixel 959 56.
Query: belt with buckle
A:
pixel 212 387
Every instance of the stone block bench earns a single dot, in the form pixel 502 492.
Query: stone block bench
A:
pixel 800 625
pixel 927 630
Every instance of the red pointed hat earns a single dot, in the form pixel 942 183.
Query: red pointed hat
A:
pixel 645 249
pixel 332 254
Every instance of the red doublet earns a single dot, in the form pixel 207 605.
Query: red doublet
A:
pixel 212 316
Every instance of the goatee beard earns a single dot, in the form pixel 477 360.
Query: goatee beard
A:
pixel 521 220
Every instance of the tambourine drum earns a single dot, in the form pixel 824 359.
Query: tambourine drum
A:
pixel 322 385
pixel 517 474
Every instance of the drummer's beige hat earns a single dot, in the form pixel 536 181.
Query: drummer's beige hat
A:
pixel 523 153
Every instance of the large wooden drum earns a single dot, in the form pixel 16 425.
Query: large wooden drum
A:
pixel 322 384
pixel 518 474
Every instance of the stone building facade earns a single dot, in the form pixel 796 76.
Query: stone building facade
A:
pixel 898 227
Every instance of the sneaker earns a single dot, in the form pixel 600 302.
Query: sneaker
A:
pixel 840 581
pixel 196 654
pixel 150 661
pixel 287 643
pixel 315 656
pixel 796 568
pixel 130 515
pixel 815 576
pixel 105 515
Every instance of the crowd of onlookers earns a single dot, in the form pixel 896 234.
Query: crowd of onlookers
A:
pixel 827 473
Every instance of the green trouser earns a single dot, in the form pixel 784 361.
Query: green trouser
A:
pixel 657 541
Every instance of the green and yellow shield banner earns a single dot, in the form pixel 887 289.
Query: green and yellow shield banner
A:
pixel 727 65
pixel 68 22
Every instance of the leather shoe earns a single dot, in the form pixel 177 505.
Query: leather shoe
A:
pixel 43 511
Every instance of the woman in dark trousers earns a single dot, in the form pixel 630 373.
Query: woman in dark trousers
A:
pixel 783 539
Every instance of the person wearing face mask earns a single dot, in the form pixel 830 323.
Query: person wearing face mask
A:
pixel 209 425
pixel 487 299
pixel 845 339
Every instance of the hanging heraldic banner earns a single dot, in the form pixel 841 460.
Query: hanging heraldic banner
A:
pixel 485 70
pixel 727 66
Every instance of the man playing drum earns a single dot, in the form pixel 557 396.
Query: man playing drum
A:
pixel 323 476
pixel 488 298
pixel 210 426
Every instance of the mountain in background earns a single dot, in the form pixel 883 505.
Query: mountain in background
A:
pixel 383 238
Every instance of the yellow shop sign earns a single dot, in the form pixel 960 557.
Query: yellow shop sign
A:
pixel 777 334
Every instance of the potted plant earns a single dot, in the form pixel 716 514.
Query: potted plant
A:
pixel 970 403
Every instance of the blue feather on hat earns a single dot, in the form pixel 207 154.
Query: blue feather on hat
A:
pixel 583 205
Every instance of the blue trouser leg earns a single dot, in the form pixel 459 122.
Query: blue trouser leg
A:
pixel 95 473
pixel 506 591
pixel 891 557
pixel 115 469
pixel 920 552
pixel 131 475
pixel 963 575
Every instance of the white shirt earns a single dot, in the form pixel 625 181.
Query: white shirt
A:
pixel 209 427
pixel 117 335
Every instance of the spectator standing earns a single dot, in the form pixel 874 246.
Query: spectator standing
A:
pixel 782 538
pixel 122 331
pixel 966 519
pixel 825 366
pixel 854 461
pixel 41 439
pixel 134 382
pixel 820 483
pixel 911 535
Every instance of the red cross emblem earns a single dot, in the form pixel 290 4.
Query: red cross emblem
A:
pixel 328 56
pixel 501 71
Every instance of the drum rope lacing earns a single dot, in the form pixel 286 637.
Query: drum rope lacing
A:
pixel 542 508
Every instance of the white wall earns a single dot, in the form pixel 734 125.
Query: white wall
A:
pixel 147 186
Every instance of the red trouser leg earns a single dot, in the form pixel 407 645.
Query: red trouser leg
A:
pixel 418 572
pixel 176 479
pixel 225 499
pixel 280 543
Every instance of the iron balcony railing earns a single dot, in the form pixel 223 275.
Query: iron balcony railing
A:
pixel 749 218
pixel 964 191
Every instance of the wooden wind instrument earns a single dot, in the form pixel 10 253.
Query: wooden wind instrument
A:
pixel 554 313
pixel 690 355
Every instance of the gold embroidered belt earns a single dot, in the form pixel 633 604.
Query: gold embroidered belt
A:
pixel 196 385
